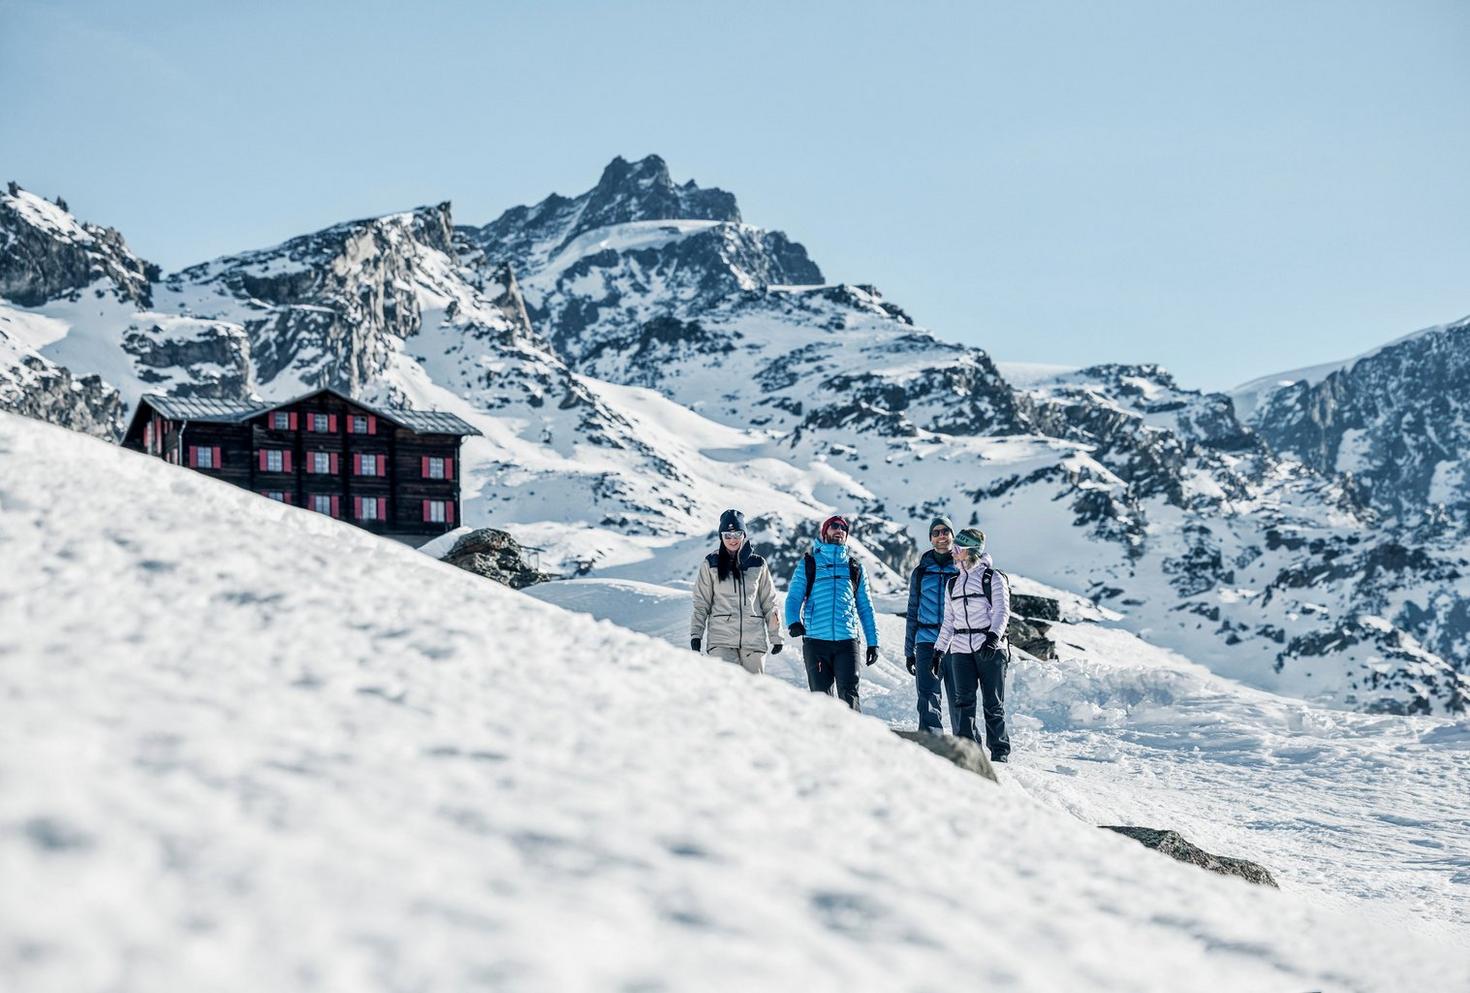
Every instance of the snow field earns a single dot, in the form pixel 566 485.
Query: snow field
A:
pixel 248 747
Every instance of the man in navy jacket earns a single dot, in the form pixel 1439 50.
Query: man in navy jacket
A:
pixel 927 585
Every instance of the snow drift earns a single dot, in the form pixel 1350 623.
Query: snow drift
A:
pixel 246 747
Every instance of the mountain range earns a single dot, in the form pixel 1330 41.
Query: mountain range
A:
pixel 639 358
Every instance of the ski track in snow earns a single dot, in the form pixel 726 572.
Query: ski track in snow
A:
pixel 246 747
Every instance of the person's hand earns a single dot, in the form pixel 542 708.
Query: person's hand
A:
pixel 913 665
pixel 694 643
pixel 776 648
pixel 938 661
pixel 992 642
pixel 796 630
pixel 872 654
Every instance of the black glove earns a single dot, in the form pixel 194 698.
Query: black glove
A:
pixel 938 661
pixel 694 643
pixel 992 642
pixel 872 654
pixel 913 665
pixel 776 648
pixel 796 630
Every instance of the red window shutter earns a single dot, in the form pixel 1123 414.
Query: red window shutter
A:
pixel 218 461
pixel 424 467
pixel 260 455
pixel 449 468
pixel 426 511
pixel 193 457
pixel 332 423
pixel 351 429
pixel 382 508
pixel 382 465
pixel 293 420
pixel 334 463
pixel 285 461
pixel 310 424
pixel 357 463
pixel 336 506
pixel 357 508
pixel 372 424
pixel 290 498
pixel 449 512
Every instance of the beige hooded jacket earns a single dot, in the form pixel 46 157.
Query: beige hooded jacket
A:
pixel 740 610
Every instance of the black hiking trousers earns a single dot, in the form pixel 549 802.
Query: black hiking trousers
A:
pixel 830 663
pixel 986 672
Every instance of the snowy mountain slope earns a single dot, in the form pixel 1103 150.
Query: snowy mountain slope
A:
pixel 795 399
pixel 1352 807
pixel 1112 481
pixel 330 780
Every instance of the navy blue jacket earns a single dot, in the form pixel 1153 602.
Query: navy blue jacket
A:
pixel 926 600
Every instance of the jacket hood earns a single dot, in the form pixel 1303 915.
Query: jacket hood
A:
pixel 985 561
pixel 931 557
pixel 826 552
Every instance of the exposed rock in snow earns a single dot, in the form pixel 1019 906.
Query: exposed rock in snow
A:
pixel 1172 844
pixel 494 555
pixel 961 751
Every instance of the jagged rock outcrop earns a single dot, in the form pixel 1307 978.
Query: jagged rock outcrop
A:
pixel 1395 421
pixel 48 392
pixel 495 555
pixel 45 253
pixel 1172 844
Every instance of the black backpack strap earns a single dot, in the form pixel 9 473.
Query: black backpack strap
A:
pixel 985 585
pixel 810 565
pixel 854 573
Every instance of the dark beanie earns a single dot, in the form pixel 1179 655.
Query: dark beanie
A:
pixel 732 520
pixel 941 522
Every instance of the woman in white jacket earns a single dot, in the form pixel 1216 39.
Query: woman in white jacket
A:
pixel 735 607
pixel 976 610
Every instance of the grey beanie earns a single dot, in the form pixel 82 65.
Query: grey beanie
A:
pixel 941 522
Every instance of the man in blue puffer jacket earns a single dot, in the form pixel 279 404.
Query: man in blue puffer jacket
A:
pixel 927 586
pixel 826 600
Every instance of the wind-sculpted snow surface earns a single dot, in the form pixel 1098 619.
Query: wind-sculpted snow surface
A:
pixel 264 750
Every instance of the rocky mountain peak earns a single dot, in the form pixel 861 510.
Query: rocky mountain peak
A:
pixel 644 191
pixel 46 253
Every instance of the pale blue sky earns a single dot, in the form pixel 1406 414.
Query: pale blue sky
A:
pixel 1229 189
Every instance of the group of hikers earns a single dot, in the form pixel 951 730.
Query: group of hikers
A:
pixel 954 640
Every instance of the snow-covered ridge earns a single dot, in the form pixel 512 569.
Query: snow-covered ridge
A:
pixel 329 773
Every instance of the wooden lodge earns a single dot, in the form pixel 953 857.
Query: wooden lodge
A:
pixel 391 470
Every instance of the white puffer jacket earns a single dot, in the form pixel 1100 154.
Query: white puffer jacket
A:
pixel 968 615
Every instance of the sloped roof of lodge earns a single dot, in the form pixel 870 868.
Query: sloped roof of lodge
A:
pixel 209 409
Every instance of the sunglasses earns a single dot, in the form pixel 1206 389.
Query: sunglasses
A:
pixel 837 527
pixel 732 534
pixel 941 531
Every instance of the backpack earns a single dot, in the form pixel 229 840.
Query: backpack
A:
pixel 984 585
pixel 854 573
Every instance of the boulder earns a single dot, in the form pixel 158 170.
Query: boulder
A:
pixel 494 555
pixel 1036 608
pixel 1030 637
pixel 961 751
pixel 1172 844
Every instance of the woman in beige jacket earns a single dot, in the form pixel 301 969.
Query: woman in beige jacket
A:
pixel 735 612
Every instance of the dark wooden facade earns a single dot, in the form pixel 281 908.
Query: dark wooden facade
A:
pixel 390 470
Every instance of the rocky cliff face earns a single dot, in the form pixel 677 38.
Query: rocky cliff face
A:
pixel 45 254
pixel 1396 421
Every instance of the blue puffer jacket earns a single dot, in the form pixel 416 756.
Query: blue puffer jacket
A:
pixel 926 599
pixel 833 612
